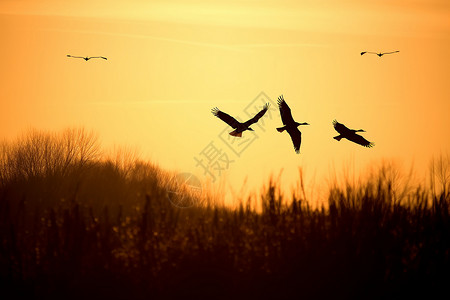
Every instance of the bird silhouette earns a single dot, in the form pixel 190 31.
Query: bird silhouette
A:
pixel 350 134
pixel 289 124
pixel 380 54
pixel 238 126
pixel 86 58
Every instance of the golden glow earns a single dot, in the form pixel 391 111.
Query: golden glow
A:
pixel 169 63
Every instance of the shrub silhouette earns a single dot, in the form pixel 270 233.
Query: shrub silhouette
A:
pixel 81 225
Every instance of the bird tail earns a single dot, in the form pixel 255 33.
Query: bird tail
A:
pixel 237 134
pixel 338 138
pixel 281 129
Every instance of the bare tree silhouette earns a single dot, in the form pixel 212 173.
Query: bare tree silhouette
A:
pixel 40 154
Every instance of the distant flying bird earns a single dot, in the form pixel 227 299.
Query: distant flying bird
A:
pixel 289 124
pixel 380 54
pixel 87 57
pixel 350 134
pixel 240 127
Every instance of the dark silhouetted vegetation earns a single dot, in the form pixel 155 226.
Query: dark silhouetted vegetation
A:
pixel 77 224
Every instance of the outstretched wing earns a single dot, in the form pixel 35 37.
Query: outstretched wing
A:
pixel 285 111
pixel 68 55
pixel 341 128
pixel 257 116
pixel 390 52
pixel 98 57
pixel 364 52
pixel 225 117
pixel 356 138
pixel 296 137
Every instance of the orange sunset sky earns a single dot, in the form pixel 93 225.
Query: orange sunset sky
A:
pixel 170 62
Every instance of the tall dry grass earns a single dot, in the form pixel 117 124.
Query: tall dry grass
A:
pixel 86 226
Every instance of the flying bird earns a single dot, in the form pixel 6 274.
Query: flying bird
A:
pixel 289 124
pixel 86 58
pixel 350 134
pixel 380 54
pixel 238 126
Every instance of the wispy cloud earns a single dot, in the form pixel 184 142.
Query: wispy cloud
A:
pixel 141 103
pixel 156 38
pixel 238 47
pixel 301 15
pixel 349 17
pixel 278 45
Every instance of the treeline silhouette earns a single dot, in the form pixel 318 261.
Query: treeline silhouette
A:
pixel 77 224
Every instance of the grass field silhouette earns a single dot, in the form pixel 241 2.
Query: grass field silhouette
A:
pixel 76 223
